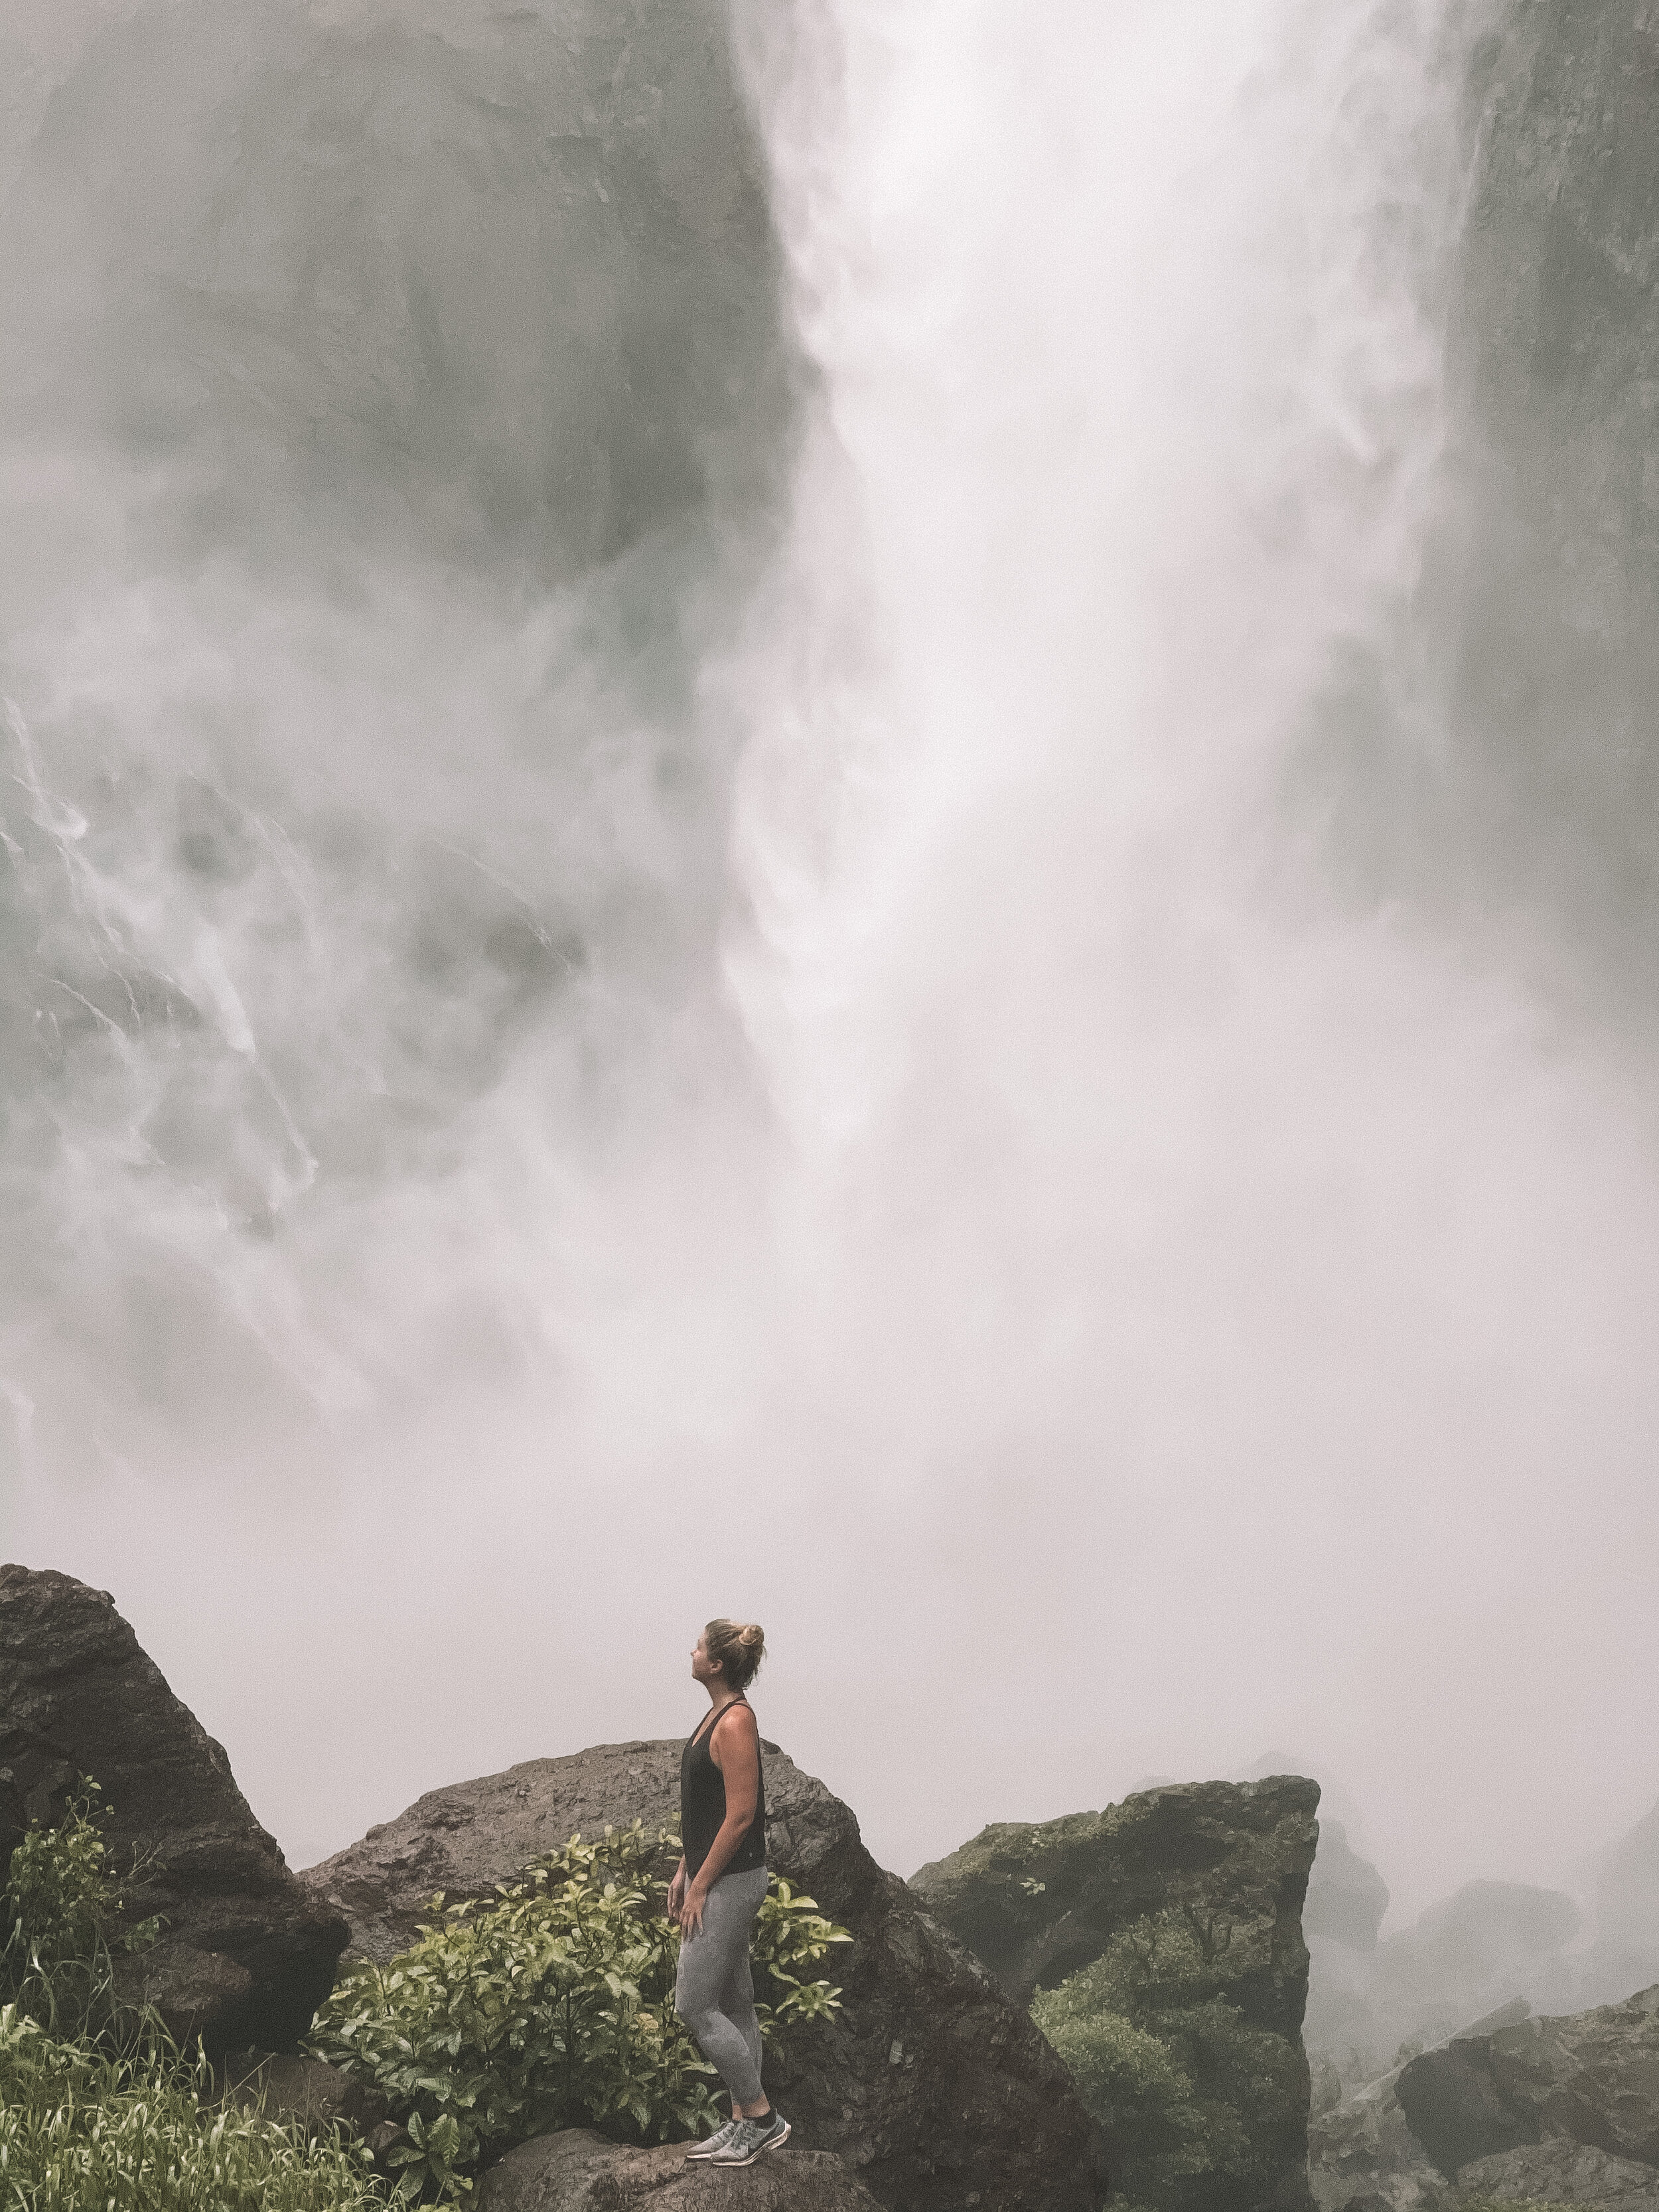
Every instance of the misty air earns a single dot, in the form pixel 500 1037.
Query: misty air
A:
pixel 829 1191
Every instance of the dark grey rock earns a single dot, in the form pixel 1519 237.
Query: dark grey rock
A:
pixel 1038 1903
pixel 303 2092
pixel 1560 2174
pixel 931 2084
pixel 248 1953
pixel 578 2171
pixel 1590 2077
pixel 1452 2108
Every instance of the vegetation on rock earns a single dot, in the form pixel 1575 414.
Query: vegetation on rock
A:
pixel 1168 2064
pixel 552 2006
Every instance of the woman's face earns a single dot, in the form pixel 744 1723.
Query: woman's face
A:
pixel 703 1669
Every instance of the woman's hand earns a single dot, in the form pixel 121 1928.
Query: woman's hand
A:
pixel 691 1907
pixel 677 1891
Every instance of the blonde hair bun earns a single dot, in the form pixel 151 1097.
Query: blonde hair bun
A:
pixel 739 1646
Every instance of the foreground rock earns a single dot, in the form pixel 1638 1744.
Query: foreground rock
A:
pixel 1590 2078
pixel 247 1953
pixel 1558 2174
pixel 931 2084
pixel 1226 1864
pixel 577 2171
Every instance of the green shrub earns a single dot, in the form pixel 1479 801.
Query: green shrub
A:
pixel 552 2006
pixel 1168 2065
pixel 83 2129
pixel 63 1900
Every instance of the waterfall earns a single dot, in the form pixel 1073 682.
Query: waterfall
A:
pixel 680 929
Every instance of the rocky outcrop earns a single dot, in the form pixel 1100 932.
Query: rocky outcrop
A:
pixel 931 2084
pixel 1554 2173
pixel 1591 2078
pixel 1228 1861
pixel 578 2171
pixel 247 1953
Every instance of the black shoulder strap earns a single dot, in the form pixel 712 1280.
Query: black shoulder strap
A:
pixel 709 1721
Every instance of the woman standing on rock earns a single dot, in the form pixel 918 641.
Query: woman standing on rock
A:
pixel 717 1887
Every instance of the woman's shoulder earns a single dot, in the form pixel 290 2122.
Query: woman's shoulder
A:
pixel 737 1724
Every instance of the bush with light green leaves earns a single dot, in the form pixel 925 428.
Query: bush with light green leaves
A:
pixel 1168 2065
pixel 551 2005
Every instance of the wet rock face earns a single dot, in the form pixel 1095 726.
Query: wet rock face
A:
pixel 932 2086
pixel 578 2171
pixel 1228 1863
pixel 1556 358
pixel 1590 2077
pixel 247 1954
pixel 472 281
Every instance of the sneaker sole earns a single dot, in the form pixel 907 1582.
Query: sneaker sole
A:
pixel 772 2143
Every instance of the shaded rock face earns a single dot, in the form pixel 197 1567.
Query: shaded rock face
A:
pixel 933 2085
pixel 473 280
pixel 578 2171
pixel 1038 1903
pixel 247 1953
pixel 301 2093
pixel 1591 2077
pixel 1556 344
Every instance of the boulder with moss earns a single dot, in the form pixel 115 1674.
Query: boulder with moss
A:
pixel 1159 1943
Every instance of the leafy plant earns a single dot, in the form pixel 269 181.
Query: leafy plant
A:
pixel 552 2006
pixel 63 1900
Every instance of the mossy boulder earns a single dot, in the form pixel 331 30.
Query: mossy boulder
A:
pixel 1159 1944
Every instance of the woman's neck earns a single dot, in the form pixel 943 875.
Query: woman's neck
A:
pixel 718 1695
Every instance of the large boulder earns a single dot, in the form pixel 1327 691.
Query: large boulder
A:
pixel 247 1953
pixel 1229 1862
pixel 1589 2077
pixel 578 2171
pixel 933 2084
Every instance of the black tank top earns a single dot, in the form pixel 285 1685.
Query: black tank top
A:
pixel 703 1804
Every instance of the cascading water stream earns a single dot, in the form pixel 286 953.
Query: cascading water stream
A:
pixel 835 998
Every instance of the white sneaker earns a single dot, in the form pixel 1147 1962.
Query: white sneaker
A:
pixel 718 2141
pixel 750 2138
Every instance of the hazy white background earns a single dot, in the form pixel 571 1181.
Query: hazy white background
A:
pixel 983 1201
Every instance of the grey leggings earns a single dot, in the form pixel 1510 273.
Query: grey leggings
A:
pixel 713 1994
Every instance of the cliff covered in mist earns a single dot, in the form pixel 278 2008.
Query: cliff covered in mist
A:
pixel 1555 361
